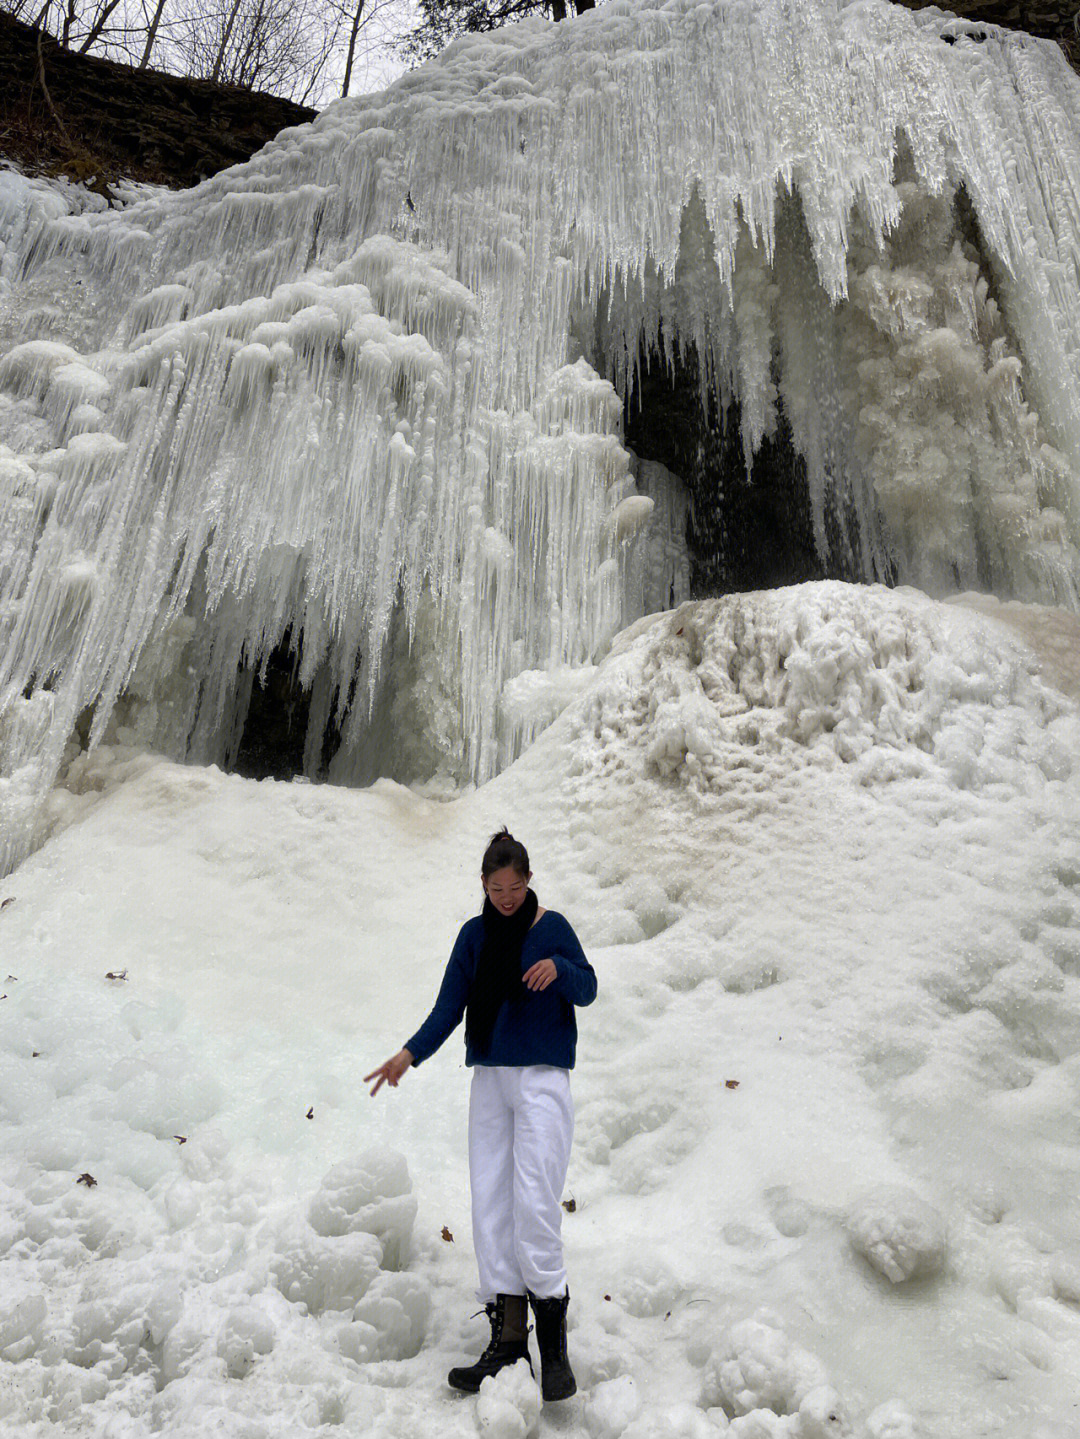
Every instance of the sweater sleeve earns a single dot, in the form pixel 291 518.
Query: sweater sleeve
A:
pixel 576 979
pixel 449 1006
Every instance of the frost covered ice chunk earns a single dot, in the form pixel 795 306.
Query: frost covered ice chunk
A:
pixel 324 1272
pixel 900 1235
pixel 756 1366
pixel 240 1299
pixel 358 1223
pixel 21 1322
pixel 371 1194
pixel 508 1404
pixel 612 1407
pixel 892 1421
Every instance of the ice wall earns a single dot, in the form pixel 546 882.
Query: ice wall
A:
pixel 364 388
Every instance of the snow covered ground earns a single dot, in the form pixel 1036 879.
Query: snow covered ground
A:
pixel 821 847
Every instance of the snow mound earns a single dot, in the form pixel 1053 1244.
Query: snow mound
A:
pixel 900 1235
pixel 508 1405
pixel 756 1366
pixel 172 1262
pixel 677 1421
pixel 891 1421
pixel 368 1195
pixel 889 683
pixel 612 1407
pixel 819 1416
pixel 324 1273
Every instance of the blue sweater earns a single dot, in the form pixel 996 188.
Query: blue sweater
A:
pixel 537 1029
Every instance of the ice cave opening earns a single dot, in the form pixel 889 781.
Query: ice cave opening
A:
pixel 276 710
pixel 748 525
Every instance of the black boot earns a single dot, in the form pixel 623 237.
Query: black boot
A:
pixel 556 1377
pixel 509 1343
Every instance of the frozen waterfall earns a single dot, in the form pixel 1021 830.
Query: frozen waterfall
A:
pixel 363 396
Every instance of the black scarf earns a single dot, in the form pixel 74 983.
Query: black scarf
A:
pixel 498 969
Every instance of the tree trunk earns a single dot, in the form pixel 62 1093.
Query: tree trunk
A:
pixel 558 9
pixel 353 33
pixel 151 34
pixel 99 25
pixel 226 36
pixel 582 5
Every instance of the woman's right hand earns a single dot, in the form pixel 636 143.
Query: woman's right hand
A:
pixel 390 1072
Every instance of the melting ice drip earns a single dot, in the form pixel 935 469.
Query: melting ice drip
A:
pixel 363 393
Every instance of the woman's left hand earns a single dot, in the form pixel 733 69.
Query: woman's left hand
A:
pixel 540 975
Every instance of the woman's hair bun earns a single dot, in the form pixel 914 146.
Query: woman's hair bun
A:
pixel 502 851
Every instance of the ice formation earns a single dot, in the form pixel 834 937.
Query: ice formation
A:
pixel 899 1234
pixel 508 1405
pixel 362 396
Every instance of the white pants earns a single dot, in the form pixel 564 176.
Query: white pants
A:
pixel 521 1124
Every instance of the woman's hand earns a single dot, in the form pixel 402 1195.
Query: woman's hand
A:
pixel 540 975
pixel 390 1072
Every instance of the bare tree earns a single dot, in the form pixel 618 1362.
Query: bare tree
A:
pixel 362 27
pixel 350 44
pixel 153 24
pixel 105 26
pixel 304 50
pixel 440 21
pixel 99 20
pixel 279 45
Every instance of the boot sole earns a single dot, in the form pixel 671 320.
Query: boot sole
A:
pixel 465 1383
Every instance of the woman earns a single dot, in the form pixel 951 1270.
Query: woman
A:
pixel 516 972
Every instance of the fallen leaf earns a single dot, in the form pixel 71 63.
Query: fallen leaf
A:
pixel 5 902
pixel 35 1053
pixel 447 1235
pixel 12 979
pixel 678 632
pixel 180 1138
pixel 116 974
pixel 570 1205
pixel 607 1297
pixel 311 1113
pixel 731 1084
pixel 88 1180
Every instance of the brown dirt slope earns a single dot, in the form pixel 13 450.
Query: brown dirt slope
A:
pixel 119 121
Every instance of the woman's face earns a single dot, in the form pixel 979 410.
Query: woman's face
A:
pixel 506 889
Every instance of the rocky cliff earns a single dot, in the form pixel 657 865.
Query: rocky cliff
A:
pixel 94 118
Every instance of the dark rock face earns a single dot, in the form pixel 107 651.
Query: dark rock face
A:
pixel 1048 19
pixel 748 529
pixel 125 122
